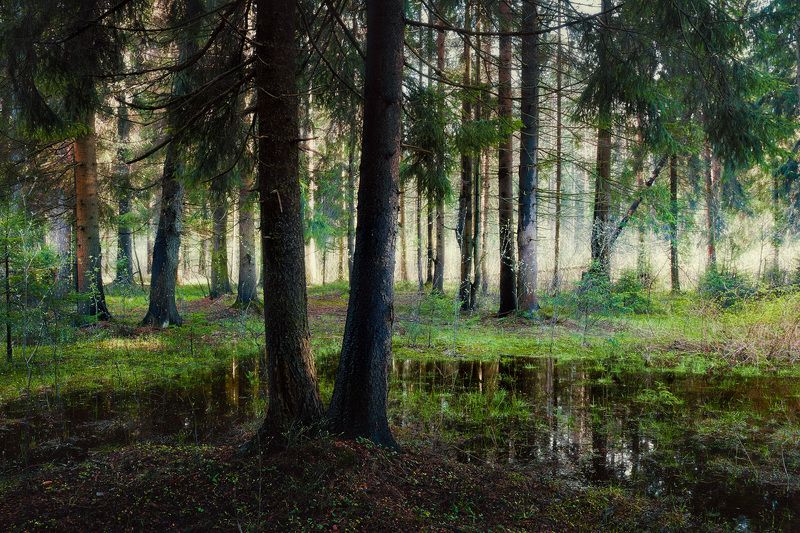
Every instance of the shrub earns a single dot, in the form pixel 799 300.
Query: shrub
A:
pixel 726 288
pixel 630 294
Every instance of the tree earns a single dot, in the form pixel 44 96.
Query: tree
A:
pixel 124 275
pixel 527 232
pixel 508 295
pixel 248 279
pixel 220 283
pixel 291 376
pixel 673 225
pixel 358 406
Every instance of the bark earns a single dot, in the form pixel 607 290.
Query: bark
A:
pixel 673 225
pixel 600 245
pixel 465 207
pixel 438 270
pixel 246 288
pixel 476 184
pixel 220 282
pixel 711 176
pixel 291 376
pixel 162 311
pixel 601 253
pixel 152 228
pixel 437 284
pixel 528 166
pixel 124 230
pixel 358 406
pixel 508 291
pixel 87 222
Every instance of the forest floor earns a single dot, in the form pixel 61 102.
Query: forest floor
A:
pixel 568 420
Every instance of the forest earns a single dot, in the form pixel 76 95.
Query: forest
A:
pixel 400 265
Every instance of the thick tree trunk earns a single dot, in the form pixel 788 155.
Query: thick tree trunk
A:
pixel 124 231
pixel 162 310
pixel 673 225
pixel 87 222
pixel 527 231
pixel 465 214
pixel 246 288
pixel 358 407
pixel 220 282
pixel 291 375
pixel 601 253
pixel 508 286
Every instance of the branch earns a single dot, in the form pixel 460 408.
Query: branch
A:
pixel 635 205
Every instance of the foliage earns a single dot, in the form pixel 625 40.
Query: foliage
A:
pixel 726 287
pixel 631 292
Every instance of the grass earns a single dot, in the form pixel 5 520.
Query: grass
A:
pixel 682 334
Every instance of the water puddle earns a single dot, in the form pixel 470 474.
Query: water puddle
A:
pixel 728 446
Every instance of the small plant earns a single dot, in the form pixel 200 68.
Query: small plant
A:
pixel 726 288
pixel 631 294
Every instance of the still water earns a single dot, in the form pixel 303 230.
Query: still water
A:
pixel 727 446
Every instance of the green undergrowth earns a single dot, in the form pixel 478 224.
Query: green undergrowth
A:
pixel 684 334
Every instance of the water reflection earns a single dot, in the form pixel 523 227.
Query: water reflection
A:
pixel 566 419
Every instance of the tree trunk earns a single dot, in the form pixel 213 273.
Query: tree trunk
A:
pixel 712 172
pixel 87 221
pixel 162 310
pixel 291 375
pixel 437 285
pixel 673 225
pixel 220 283
pixel 600 245
pixel 601 254
pixel 559 164
pixel 358 406
pixel 351 200
pixel 124 230
pixel 418 215
pixel 477 180
pixel 508 289
pixel 312 272
pixel 403 248
pixel 429 219
pixel 527 231
pixel 484 224
pixel 246 288
pixel 465 214
pixel 61 239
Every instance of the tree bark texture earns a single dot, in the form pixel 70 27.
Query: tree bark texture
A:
pixel 358 407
